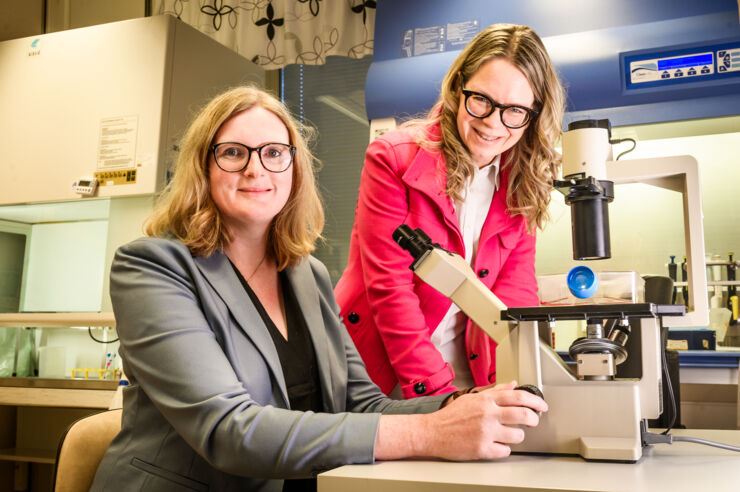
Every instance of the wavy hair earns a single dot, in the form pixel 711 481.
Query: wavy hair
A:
pixel 185 208
pixel 533 162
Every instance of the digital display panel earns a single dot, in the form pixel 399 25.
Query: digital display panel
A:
pixel 685 61
pixel 83 183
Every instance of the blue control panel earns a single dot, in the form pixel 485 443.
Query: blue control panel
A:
pixel 669 67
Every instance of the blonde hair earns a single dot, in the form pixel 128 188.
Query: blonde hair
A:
pixel 185 208
pixel 533 162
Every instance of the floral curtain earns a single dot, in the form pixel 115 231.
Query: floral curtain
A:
pixel 275 33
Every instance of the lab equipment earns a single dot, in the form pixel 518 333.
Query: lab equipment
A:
pixel 69 114
pixel 85 186
pixel 588 172
pixel 612 287
pixel 732 298
pixel 582 282
pixel 92 373
pixel 672 270
pixel 578 402
pixel 715 300
pixel 586 189
pixel 684 289
pixel 592 413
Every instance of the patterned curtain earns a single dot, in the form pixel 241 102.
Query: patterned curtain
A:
pixel 275 33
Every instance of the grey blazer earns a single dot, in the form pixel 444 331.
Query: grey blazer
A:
pixel 207 407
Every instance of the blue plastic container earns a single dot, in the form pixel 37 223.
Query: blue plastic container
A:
pixel 582 281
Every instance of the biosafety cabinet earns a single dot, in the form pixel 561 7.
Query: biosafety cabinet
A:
pixel 90 121
pixel 108 102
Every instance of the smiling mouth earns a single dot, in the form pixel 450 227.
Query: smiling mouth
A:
pixel 485 137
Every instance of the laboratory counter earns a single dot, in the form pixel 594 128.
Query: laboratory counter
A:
pixel 71 393
pixel 676 467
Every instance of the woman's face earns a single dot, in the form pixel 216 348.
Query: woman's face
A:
pixel 250 198
pixel 486 138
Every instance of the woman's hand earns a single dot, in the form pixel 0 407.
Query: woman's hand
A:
pixel 472 389
pixel 477 425
pixel 481 425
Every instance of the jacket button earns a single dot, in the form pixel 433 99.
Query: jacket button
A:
pixel 353 318
pixel 473 356
pixel 420 388
pixel 483 273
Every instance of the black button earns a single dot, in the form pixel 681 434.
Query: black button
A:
pixel 420 388
pixel 483 273
pixel 473 356
pixel 353 318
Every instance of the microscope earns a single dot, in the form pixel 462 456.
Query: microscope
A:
pixel 592 412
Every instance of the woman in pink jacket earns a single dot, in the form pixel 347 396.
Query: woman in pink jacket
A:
pixel 476 176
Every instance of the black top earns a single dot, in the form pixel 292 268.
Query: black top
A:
pixel 297 358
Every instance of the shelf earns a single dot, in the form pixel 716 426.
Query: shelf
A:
pixel 28 455
pixel 49 397
pixel 59 383
pixel 44 320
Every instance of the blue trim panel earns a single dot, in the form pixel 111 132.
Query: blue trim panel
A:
pixel 708 358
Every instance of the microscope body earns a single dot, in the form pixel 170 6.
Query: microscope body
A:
pixel 592 413
pixel 595 416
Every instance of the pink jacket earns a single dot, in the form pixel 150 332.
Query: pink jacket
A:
pixel 388 311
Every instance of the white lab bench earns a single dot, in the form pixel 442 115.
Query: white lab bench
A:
pixel 677 467
pixel 709 366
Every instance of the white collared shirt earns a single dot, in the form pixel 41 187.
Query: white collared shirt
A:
pixel 449 336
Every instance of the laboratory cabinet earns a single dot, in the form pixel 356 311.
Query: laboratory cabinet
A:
pixel 99 111
pixel 34 414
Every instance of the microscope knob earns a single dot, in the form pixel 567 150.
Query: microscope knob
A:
pixel 531 389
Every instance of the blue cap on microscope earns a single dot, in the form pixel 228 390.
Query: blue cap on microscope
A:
pixel 582 281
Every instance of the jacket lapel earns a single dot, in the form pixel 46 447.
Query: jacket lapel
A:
pixel 218 272
pixel 427 174
pixel 306 291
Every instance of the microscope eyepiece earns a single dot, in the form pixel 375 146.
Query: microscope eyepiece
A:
pixel 415 241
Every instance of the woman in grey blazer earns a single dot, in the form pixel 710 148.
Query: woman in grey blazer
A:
pixel 241 372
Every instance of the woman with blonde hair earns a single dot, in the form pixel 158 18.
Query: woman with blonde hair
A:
pixel 242 376
pixel 476 176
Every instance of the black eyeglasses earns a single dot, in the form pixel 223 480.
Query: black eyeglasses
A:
pixel 481 106
pixel 233 157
